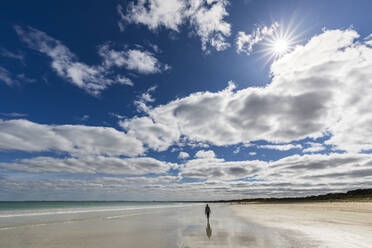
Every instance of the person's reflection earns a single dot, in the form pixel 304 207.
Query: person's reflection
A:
pixel 208 229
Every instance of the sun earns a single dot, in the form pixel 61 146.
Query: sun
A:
pixel 280 46
pixel 281 41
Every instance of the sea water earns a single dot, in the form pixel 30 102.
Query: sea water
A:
pixel 33 213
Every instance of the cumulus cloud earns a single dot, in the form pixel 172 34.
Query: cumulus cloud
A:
pixel 183 155
pixel 321 87
pixel 214 177
pixel 245 42
pixel 157 136
pixel 218 169
pixel 168 13
pixel 294 175
pixel 23 135
pixel 111 188
pixel 333 168
pixel 228 117
pixel 205 17
pixel 90 164
pixel 205 154
pixel 96 78
pixel 315 90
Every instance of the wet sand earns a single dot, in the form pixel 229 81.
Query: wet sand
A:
pixel 338 224
pixel 254 225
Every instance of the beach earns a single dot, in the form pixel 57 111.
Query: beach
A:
pixel 326 224
pixel 184 225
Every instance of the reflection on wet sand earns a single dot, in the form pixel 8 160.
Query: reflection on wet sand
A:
pixel 231 231
pixel 208 230
pixel 184 227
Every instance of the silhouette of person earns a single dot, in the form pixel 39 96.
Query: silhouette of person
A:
pixel 208 230
pixel 207 211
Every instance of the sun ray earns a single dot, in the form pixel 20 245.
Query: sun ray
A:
pixel 281 42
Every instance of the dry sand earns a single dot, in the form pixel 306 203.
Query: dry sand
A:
pixel 338 224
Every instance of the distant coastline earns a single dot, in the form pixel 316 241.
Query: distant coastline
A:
pixel 364 195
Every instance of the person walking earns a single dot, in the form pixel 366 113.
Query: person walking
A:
pixel 207 211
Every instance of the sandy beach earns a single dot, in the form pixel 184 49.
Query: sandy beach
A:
pixel 337 224
pixel 251 225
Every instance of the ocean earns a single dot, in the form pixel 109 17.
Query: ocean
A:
pixel 29 213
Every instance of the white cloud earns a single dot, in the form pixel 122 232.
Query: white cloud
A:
pixel 110 188
pixel 8 54
pixel 124 80
pixel 205 154
pixel 245 42
pixel 6 77
pixel 141 61
pixel 238 117
pixel 118 116
pixel 321 87
pixel 90 164
pixel 315 90
pixel 147 97
pixel 368 40
pixel 332 168
pixel 13 115
pixel 119 10
pixel 314 147
pixel 158 136
pixel 237 150
pixel 218 169
pixel 292 176
pixel 183 155
pixel 23 135
pixel 155 48
pixel 167 13
pixel 281 147
pixel 93 79
pixel 336 66
pixel 144 99
pixel 205 17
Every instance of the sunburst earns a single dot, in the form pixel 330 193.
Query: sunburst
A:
pixel 280 47
pixel 280 42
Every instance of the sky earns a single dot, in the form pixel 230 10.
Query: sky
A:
pixel 184 99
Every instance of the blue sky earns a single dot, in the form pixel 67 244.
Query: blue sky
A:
pixel 181 99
